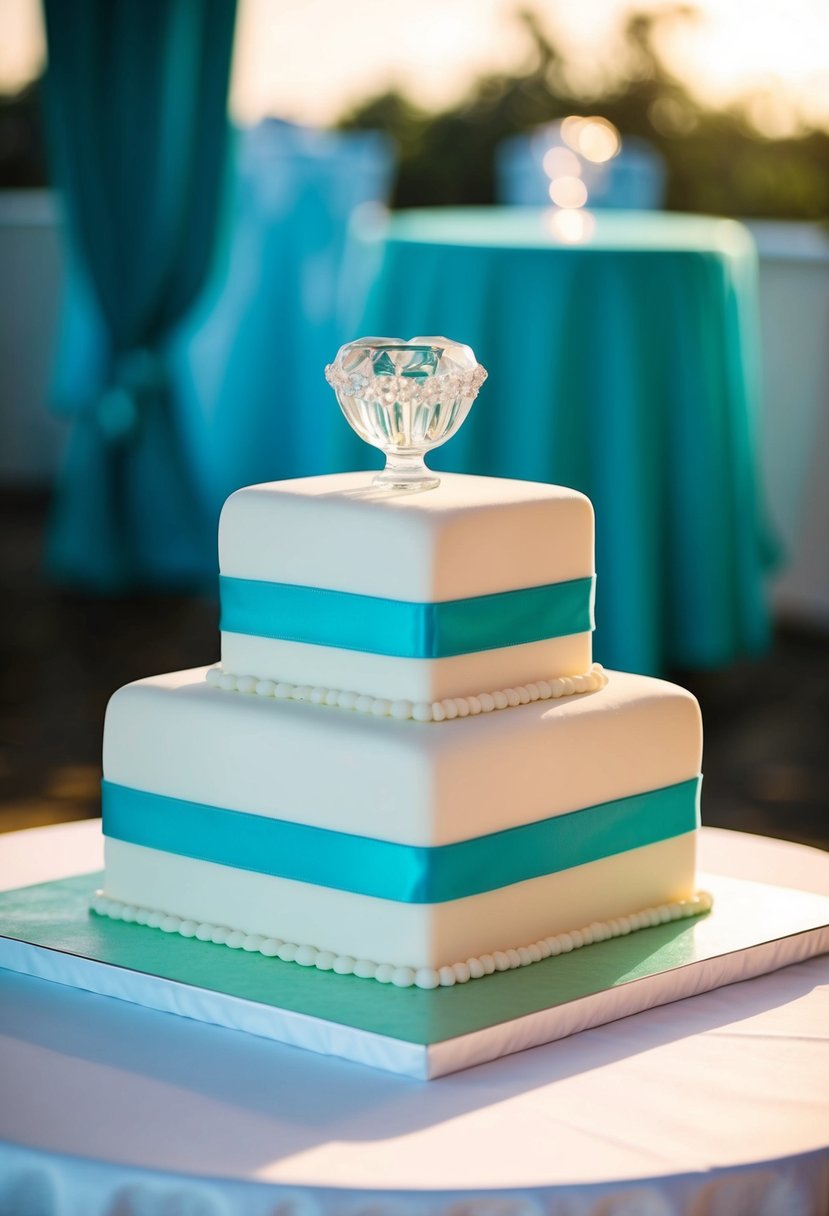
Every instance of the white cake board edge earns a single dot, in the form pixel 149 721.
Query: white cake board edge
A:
pixel 715 968
pixel 549 1025
pixel 216 1008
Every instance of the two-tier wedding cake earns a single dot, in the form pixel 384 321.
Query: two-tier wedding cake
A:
pixel 406 767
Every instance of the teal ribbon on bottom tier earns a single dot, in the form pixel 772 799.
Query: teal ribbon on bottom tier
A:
pixel 399 872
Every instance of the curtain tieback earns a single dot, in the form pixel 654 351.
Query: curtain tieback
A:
pixel 135 376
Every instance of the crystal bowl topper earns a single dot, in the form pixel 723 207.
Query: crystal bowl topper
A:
pixel 405 398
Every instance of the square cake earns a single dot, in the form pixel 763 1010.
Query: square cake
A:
pixel 406 766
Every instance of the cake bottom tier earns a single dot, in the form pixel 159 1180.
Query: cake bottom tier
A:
pixel 402 934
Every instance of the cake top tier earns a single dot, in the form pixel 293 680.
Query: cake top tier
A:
pixel 470 536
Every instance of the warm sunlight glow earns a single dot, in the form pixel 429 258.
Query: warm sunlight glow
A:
pixel 284 66
pixel 561 162
pixel 568 192
pixel 598 140
pixel 775 49
pixel 772 115
pixel 22 43
pixel 571 227
pixel 770 54
pixel 730 50
pixel 571 129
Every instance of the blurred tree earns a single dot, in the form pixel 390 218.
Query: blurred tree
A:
pixel 718 162
pixel 22 155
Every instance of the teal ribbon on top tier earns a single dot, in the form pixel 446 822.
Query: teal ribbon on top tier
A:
pixel 400 872
pixel 401 628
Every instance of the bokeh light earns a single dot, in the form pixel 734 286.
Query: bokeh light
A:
pixel 572 227
pixel 596 139
pixel 568 192
pixel 561 162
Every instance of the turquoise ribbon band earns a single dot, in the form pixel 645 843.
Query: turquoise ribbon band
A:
pixel 381 868
pixel 402 629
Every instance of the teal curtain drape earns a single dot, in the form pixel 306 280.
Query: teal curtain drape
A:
pixel 136 104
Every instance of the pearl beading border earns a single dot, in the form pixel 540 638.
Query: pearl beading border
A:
pixel 404 977
pixel 420 711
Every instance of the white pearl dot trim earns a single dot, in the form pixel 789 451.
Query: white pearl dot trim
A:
pixel 390 973
pixel 420 711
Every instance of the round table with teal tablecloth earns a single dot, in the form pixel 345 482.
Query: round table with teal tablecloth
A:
pixel 625 365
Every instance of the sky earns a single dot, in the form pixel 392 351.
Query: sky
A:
pixel 776 50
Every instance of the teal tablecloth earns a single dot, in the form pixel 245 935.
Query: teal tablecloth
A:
pixel 625 366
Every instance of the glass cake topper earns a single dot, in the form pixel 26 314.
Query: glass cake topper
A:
pixel 405 398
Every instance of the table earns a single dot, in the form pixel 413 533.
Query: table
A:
pixel 625 365
pixel 718 1105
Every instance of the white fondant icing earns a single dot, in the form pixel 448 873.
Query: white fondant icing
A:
pixel 274 748
pixel 417 935
pixel 421 711
pixel 469 536
pixel 445 976
pixel 379 675
pixel 398 780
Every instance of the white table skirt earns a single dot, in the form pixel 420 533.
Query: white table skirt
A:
pixel 716 1105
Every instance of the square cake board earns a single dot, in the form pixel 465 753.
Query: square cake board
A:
pixel 47 931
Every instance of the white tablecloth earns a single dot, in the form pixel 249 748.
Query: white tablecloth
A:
pixel 717 1105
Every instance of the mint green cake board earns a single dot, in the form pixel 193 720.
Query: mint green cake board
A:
pixel 47 931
